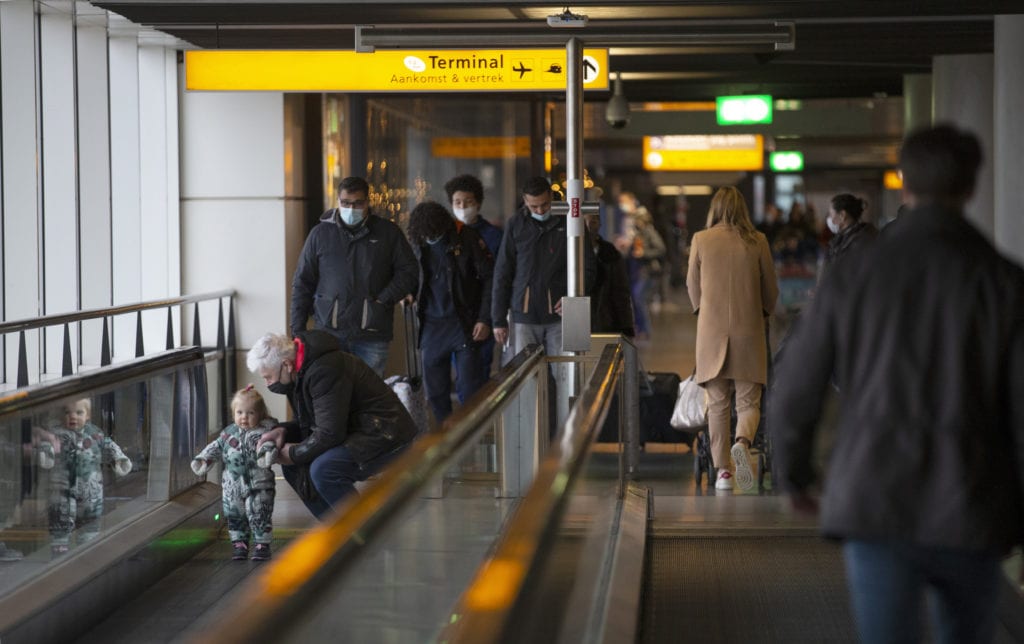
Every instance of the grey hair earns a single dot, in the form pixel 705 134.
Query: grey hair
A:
pixel 270 351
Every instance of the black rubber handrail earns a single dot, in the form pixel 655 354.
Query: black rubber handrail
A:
pixel 103 378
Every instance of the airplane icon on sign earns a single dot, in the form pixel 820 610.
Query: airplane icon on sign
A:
pixel 522 69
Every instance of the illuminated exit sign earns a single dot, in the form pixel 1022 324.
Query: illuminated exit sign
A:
pixel 744 110
pixel 704 152
pixel 443 70
pixel 786 161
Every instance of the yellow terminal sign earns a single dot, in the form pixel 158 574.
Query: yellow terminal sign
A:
pixel 443 70
pixel 704 152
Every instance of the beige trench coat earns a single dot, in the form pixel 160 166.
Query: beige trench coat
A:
pixel 732 288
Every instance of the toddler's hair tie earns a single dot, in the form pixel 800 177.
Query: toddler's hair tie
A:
pixel 248 387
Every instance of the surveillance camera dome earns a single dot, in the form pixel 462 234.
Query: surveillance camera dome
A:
pixel 617 110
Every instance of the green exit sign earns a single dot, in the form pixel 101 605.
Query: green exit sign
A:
pixel 744 110
pixel 786 161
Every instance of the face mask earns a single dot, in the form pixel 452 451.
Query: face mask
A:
pixel 465 215
pixel 279 387
pixel 351 216
pixel 832 225
pixel 541 217
pixel 434 240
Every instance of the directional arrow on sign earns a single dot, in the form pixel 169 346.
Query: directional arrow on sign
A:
pixel 590 69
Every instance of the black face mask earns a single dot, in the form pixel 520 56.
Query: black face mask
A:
pixel 279 387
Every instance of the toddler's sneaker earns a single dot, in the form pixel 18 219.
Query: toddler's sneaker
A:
pixel 741 458
pixel 261 552
pixel 724 481
pixel 239 551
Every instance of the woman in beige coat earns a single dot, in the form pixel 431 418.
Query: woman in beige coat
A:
pixel 732 286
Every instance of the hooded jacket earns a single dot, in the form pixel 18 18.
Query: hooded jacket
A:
pixel 341 267
pixel 469 280
pixel 338 400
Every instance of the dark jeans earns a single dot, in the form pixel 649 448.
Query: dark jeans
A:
pixel 887 580
pixel 485 354
pixel 442 342
pixel 334 474
pixel 373 352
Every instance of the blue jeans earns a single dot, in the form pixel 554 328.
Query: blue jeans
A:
pixel 444 342
pixel 887 580
pixel 373 352
pixel 334 474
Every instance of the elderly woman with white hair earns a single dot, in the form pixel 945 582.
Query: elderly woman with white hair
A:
pixel 348 422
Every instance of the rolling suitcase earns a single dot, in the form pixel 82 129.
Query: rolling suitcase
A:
pixel 409 386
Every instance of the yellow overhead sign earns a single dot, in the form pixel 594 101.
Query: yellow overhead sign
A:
pixel 704 152
pixel 480 147
pixel 443 70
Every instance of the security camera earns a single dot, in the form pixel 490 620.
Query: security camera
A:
pixel 617 111
pixel 567 20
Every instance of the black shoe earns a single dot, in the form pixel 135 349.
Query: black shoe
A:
pixel 239 551
pixel 261 552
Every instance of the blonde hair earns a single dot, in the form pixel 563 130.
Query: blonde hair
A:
pixel 249 394
pixel 728 206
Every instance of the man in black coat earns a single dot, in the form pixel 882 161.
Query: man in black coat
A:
pixel 611 308
pixel 925 336
pixel 348 423
pixel 353 269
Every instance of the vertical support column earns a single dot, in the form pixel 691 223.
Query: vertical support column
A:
pixel 1006 161
pixel 576 310
pixel 962 89
pixel 917 101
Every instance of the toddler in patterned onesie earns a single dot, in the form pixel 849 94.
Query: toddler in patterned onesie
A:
pixel 247 481
pixel 76 475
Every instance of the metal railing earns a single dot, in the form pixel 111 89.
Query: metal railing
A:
pixel 223 349
pixel 488 609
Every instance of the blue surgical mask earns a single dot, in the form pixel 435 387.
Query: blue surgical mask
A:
pixel 351 216
pixel 832 225
pixel 434 240
pixel 541 217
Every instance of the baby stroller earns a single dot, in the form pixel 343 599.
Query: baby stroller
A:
pixel 761 446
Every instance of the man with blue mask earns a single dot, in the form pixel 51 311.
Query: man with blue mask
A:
pixel 531 278
pixel 353 269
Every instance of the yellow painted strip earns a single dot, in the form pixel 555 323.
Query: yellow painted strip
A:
pixel 485 70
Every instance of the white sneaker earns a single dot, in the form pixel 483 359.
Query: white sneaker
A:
pixel 724 481
pixel 741 458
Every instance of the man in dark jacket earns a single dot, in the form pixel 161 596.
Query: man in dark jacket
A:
pixel 925 336
pixel 531 278
pixel 466 195
pixel 453 302
pixel 348 423
pixel 353 269
pixel 611 310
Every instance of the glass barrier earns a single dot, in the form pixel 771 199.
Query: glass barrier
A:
pixel 80 459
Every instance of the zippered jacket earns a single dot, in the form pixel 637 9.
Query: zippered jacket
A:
pixel 530 273
pixel 340 268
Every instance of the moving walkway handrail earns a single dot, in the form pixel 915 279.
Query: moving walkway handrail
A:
pixel 275 598
pixel 103 378
pixel 488 606
pixel 94 314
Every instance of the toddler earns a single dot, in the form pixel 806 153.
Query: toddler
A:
pixel 76 475
pixel 247 480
